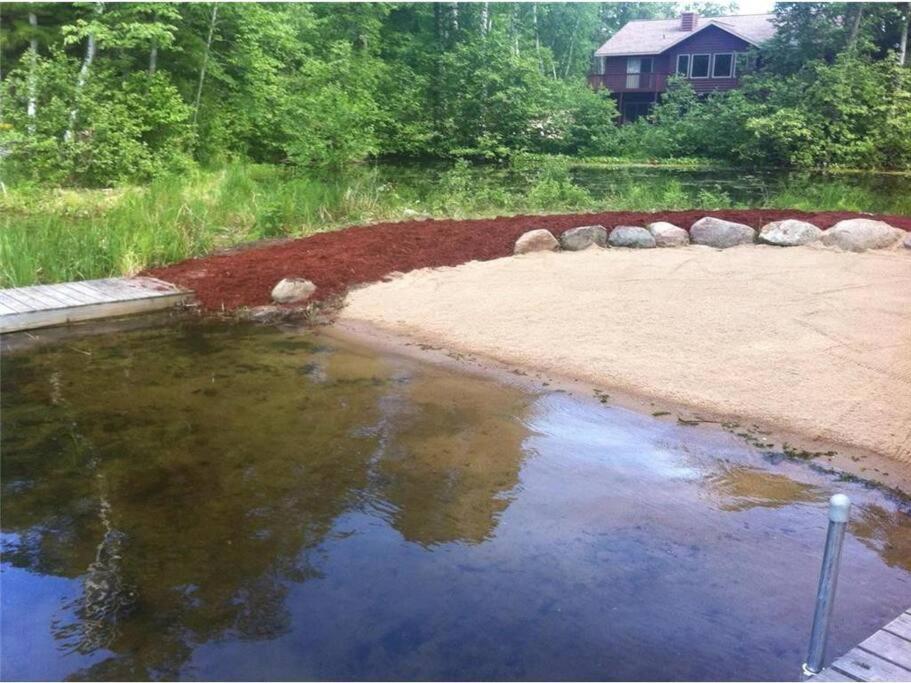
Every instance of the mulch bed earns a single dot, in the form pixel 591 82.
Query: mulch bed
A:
pixel 335 261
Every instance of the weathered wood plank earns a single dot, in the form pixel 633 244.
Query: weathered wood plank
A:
pixel 831 675
pixel 889 646
pixel 109 309
pixel 25 308
pixel 12 303
pixel 901 626
pixel 57 293
pixel 866 666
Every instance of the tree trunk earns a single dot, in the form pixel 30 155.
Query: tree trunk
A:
pixel 205 63
pixel 455 17
pixel 534 16
pixel 514 28
pixel 32 106
pixel 90 49
pixel 485 18
pixel 903 46
pixel 855 26
pixel 153 59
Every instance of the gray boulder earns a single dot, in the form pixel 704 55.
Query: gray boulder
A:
pixel 721 234
pixel 789 233
pixel 631 236
pixel 668 234
pixel 860 234
pixel 292 290
pixel 536 240
pixel 577 239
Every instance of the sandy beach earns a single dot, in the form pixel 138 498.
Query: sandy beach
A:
pixel 806 340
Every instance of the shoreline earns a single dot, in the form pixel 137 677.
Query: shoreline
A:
pixel 838 458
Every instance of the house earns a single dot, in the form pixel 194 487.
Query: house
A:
pixel 637 61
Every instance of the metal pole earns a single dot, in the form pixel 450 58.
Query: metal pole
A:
pixel 839 506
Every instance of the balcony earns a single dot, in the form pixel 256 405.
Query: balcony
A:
pixel 617 83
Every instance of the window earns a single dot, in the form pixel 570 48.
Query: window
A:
pixel 683 65
pixel 723 65
pixel 699 66
pixel 646 65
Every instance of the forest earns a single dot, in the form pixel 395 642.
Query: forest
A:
pixel 101 94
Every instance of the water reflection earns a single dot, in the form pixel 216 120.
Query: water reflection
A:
pixel 211 501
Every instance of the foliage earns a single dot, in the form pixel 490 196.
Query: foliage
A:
pixel 53 235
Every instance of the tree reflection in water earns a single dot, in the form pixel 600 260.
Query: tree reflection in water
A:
pixel 188 477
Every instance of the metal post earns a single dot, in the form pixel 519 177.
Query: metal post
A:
pixel 839 506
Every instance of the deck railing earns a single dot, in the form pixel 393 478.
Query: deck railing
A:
pixel 642 82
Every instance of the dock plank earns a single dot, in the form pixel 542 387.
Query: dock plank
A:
pixel 24 308
pixel 889 646
pixel 866 666
pixel 900 626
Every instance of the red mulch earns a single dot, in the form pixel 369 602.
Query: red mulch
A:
pixel 336 260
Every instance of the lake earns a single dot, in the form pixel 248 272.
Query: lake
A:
pixel 225 501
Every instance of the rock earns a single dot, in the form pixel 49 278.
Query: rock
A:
pixel 907 241
pixel 631 236
pixel 536 240
pixel 577 239
pixel 860 234
pixel 668 234
pixel 292 290
pixel 789 233
pixel 721 234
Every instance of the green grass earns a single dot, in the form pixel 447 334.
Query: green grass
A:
pixel 57 235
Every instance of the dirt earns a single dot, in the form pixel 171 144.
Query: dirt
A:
pixel 335 261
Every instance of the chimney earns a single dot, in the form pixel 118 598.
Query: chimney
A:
pixel 688 20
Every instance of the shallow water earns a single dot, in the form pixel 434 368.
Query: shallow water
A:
pixel 231 502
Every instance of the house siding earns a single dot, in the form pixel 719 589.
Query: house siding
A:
pixel 712 40
pixel 708 41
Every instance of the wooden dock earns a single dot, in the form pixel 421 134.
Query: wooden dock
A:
pixel 27 308
pixel 884 656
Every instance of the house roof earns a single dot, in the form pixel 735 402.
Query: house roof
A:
pixel 655 36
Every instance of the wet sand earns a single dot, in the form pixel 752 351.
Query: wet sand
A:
pixel 808 341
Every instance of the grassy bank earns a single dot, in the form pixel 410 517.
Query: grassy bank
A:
pixel 57 235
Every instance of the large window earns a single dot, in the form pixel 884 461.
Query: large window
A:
pixel 683 65
pixel 699 67
pixel 723 65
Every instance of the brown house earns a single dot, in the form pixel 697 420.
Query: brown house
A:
pixel 637 61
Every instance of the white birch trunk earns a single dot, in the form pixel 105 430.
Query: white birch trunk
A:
pixel 90 49
pixel 903 46
pixel 205 62
pixel 32 105
pixel 153 59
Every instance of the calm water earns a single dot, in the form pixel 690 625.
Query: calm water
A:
pixel 233 502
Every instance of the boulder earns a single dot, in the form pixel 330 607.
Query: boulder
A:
pixel 907 241
pixel 789 233
pixel 536 240
pixel 292 290
pixel 631 236
pixel 860 234
pixel 668 234
pixel 721 234
pixel 577 239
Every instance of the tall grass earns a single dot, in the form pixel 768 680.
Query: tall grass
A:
pixel 56 235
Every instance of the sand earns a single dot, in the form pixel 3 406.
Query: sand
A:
pixel 807 340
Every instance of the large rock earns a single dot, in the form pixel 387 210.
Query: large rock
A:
pixel 721 234
pixel 860 234
pixel 536 240
pixel 668 234
pixel 789 233
pixel 631 236
pixel 292 290
pixel 577 239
